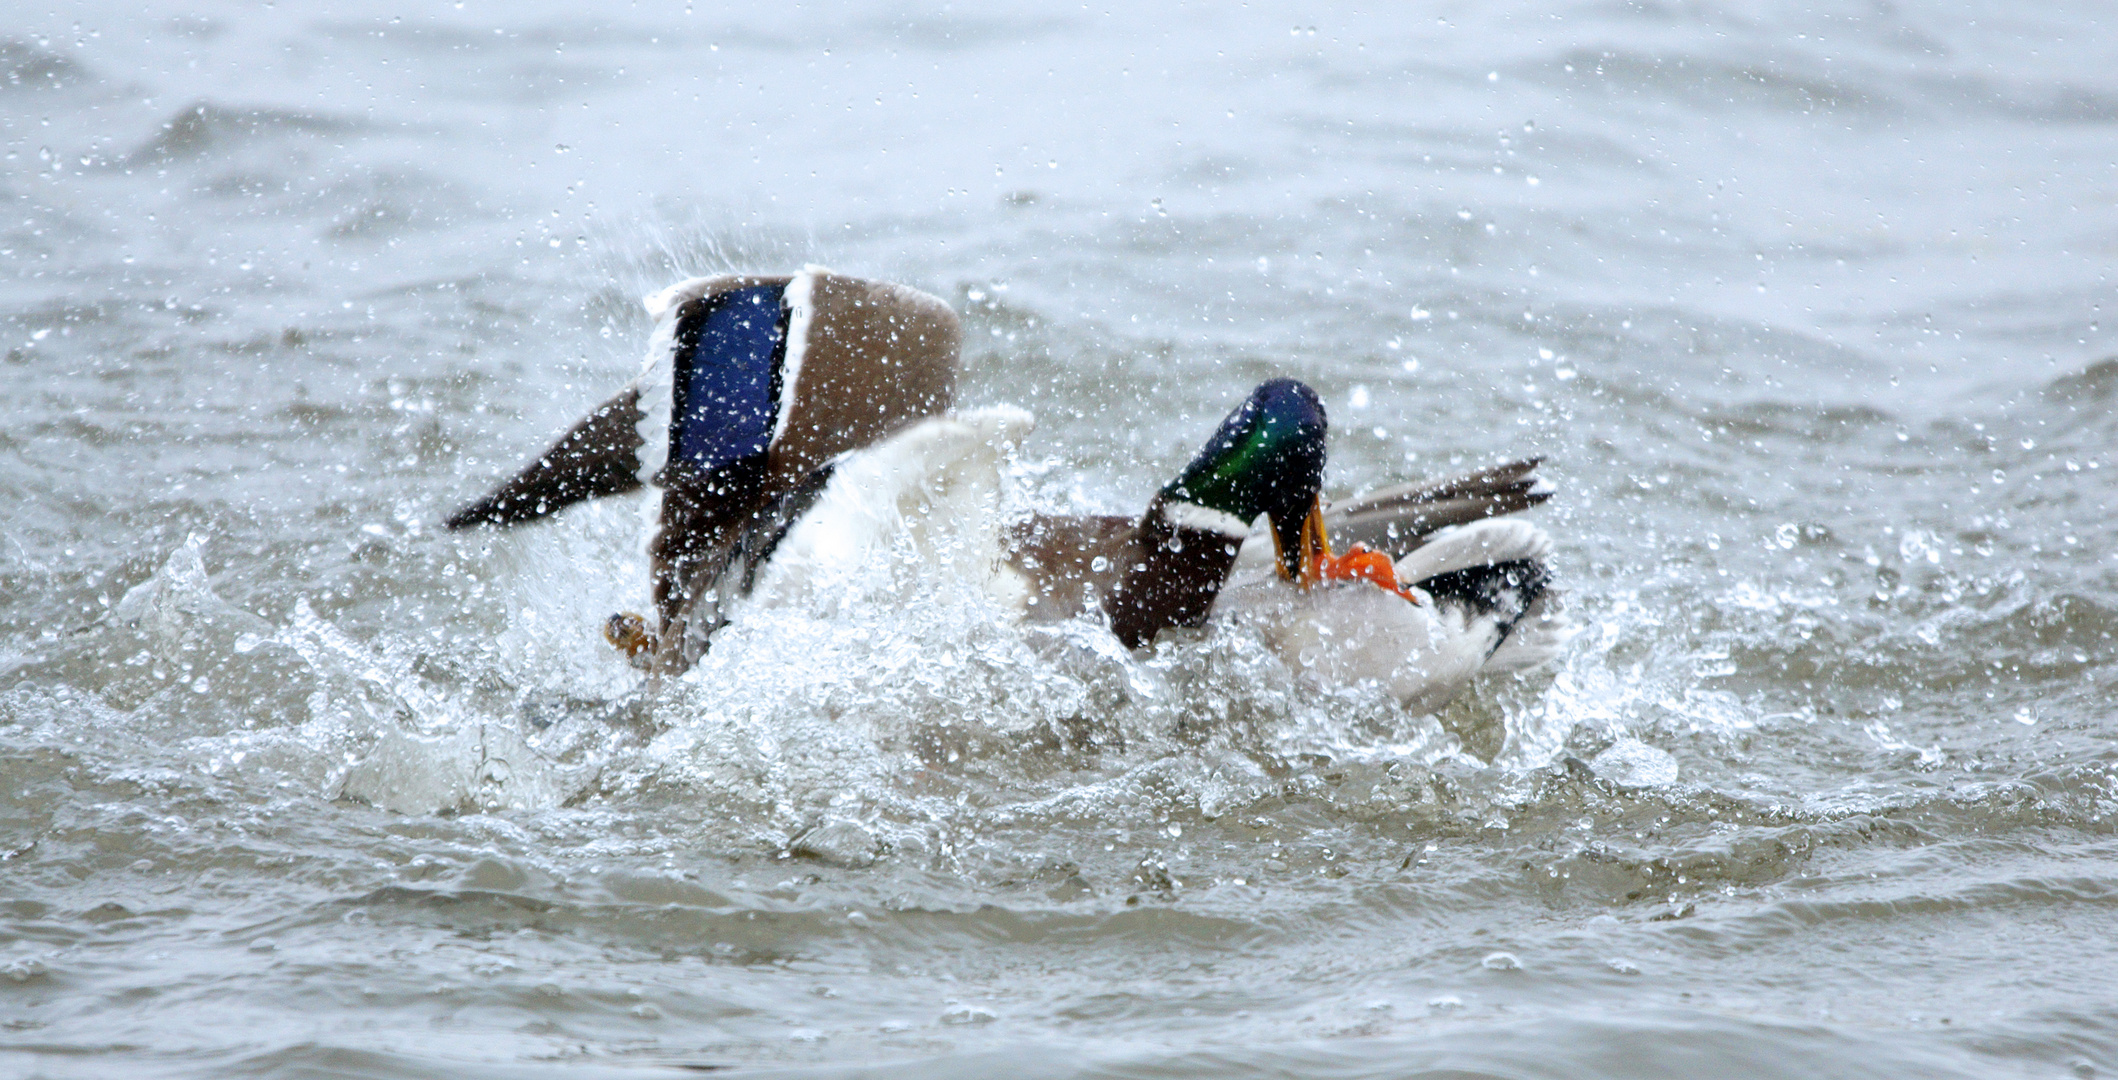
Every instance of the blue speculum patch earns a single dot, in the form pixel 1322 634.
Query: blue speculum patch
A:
pixel 727 378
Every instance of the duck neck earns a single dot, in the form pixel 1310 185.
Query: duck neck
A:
pixel 1173 570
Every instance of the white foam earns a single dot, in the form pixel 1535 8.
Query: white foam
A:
pixel 1343 633
pixel 920 507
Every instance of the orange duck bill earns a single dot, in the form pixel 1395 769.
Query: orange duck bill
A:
pixel 1313 562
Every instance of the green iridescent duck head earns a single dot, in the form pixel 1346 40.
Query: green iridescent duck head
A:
pixel 1266 458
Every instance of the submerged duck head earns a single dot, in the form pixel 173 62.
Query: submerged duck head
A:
pixel 1267 457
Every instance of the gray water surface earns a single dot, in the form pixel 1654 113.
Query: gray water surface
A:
pixel 1802 303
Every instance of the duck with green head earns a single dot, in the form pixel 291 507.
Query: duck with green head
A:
pixel 1265 460
pixel 1436 583
pixel 1449 589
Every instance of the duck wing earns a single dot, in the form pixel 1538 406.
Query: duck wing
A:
pixel 596 457
pixel 1400 518
pixel 845 363
pixel 1492 577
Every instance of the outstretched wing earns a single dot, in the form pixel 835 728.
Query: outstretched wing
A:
pixel 596 457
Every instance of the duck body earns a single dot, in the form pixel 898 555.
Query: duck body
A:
pixel 751 384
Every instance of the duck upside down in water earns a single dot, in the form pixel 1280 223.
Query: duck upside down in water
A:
pixel 789 423
pixel 1433 588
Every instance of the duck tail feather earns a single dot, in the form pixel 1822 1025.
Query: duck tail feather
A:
pixel 596 457
pixel 1400 530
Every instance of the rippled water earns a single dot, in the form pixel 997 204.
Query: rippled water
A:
pixel 1802 302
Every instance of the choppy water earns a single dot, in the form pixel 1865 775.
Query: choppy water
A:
pixel 1803 302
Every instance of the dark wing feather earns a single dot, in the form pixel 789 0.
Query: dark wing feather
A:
pixel 596 457
pixel 1398 519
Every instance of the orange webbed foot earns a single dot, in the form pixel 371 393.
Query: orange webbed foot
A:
pixel 1363 563
pixel 628 633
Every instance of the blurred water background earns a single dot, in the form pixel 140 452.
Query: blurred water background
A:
pixel 1803 302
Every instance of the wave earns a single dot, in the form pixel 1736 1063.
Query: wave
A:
pixel 204 128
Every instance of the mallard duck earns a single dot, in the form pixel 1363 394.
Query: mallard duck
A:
pixel 1427 586
pixel 751 383
pixel 1432 587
